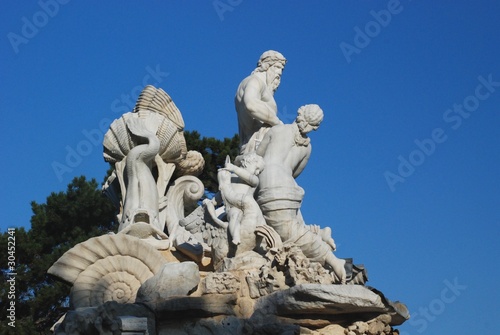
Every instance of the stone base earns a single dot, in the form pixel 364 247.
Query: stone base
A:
pixel 302 309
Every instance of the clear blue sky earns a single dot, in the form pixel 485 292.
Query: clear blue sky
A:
pixel 405 167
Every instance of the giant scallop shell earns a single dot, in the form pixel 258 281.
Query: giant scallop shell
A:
pixel 118 141
pixel 157 100
pixel 107 268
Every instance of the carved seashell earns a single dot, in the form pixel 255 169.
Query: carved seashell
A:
pixel 172 144
pixel 271 237
pixel 118 140
pixel 192 164
pixel 157 100
pixel 107 268
pixel 183 193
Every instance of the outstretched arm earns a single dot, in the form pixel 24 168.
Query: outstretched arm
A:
pixel 244 175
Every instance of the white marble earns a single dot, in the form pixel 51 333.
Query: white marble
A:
pixel 258 268
pixel 254 100
pixel 286 150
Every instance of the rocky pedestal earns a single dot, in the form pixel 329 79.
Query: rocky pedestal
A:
pixel 273 299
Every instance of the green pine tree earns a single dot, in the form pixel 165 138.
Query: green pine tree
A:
pixel 67 218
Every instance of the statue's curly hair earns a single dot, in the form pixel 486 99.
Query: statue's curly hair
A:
pixel 269 58
pixel 312 114
pixel 252 157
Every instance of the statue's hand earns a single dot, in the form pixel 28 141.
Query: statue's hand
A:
pixel 229 167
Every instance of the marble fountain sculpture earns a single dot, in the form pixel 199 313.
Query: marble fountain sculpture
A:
pixel 242 262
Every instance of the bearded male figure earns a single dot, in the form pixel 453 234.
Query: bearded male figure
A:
pixel 254 100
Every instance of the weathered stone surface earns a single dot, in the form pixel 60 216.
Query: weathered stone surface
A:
pixel 109 318
pixel 264 282
pixel 401 313
pixel 208 305
pixel 221 283
pixel 133 324
pixel 226 325
pixel 334 302
pixel 245 261
pixel 331 330
pixel 174 279
pixel 322 299
pixel 286 267
pixel 297 268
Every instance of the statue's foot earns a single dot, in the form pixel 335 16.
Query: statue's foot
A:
pixel 338 268
pixel 236 241
pixel 326 236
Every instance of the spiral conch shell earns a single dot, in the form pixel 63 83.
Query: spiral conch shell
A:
pixel 107 268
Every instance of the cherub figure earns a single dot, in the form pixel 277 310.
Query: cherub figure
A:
pixel 237 185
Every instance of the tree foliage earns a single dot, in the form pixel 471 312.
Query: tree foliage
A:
pixel 68 218
pixel 214 152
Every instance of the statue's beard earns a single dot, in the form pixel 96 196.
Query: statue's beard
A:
pixel 273 81
pixel 275 84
